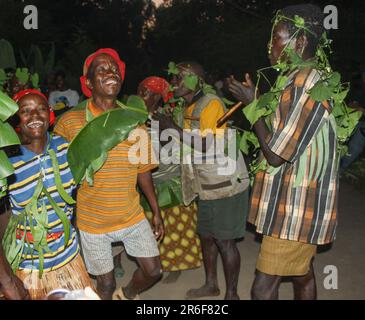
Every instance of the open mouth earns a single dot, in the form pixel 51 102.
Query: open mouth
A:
pixel 111 81
pixel 35 124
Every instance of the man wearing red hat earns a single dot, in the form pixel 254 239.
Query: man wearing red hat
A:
pixel 110 211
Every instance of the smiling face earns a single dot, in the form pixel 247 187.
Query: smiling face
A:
pixel 106 79
pixel 33 117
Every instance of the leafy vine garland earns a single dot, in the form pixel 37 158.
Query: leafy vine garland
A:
pixel 329 87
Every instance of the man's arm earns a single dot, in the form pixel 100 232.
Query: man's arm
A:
pixel 145 183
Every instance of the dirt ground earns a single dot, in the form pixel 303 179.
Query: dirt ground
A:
pixel 347 254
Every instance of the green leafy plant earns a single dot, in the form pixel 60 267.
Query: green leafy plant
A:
pixel 8 137
pixel 88 150
pixel 190 80
pixel 35 212
pixel 35 219
pixel 7 57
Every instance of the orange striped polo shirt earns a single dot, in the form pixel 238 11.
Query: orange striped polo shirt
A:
pixel 113 202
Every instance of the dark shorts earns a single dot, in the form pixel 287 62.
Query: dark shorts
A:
pixel 223 219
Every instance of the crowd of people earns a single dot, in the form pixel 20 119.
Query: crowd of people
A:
pixel 206 211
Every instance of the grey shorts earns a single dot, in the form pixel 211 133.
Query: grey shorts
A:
pixel 138 241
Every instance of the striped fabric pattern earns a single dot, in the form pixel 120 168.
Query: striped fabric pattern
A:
pixel 138 241
pixel 113 202
pixel 306 212
pixel 28 167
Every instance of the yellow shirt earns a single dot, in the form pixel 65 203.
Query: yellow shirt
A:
pixel 208 117
pixel 113 203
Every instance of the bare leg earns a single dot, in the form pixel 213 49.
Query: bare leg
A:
pixel 147 274
pixel 231 264
pixel 305 286
pixel 210 255
pixel 265 287
pixel 106 285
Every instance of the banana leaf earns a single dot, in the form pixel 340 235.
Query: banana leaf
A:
pixel 102 134
pixel 6 168
pixel 7 57
pixel 7 106
pixel 8 136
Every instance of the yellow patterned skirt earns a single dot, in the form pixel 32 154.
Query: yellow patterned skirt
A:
pixel 180 249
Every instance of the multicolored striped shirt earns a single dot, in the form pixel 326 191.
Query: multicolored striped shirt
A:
pixel 299 201
pixel 113 202
pixel 28 167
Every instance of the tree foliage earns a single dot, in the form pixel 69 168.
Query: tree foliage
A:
pixel 226 36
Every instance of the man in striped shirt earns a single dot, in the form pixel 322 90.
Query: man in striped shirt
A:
pixel 110 210
pixel 295 208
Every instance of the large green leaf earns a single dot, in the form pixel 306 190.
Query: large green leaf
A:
pixel 252 113
pixel 8 136
pixel 57 176
pixel 168 193
pixel 191 81
pixel 6 168
pixel 103 133
pixel 321 92
pixel 7 106
pixel 7 57
pixel 22 75
pixel 265 99
pixel 61 215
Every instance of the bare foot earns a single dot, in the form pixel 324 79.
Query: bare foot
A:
pixel 172 277
pixel 204 291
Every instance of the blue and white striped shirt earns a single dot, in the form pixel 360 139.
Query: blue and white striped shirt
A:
pixel 28 167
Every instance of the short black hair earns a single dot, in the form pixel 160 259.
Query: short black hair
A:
pixel 313 19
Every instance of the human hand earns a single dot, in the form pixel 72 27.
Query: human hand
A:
pixel 13 289
pixel 245 91
pixel 157 226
